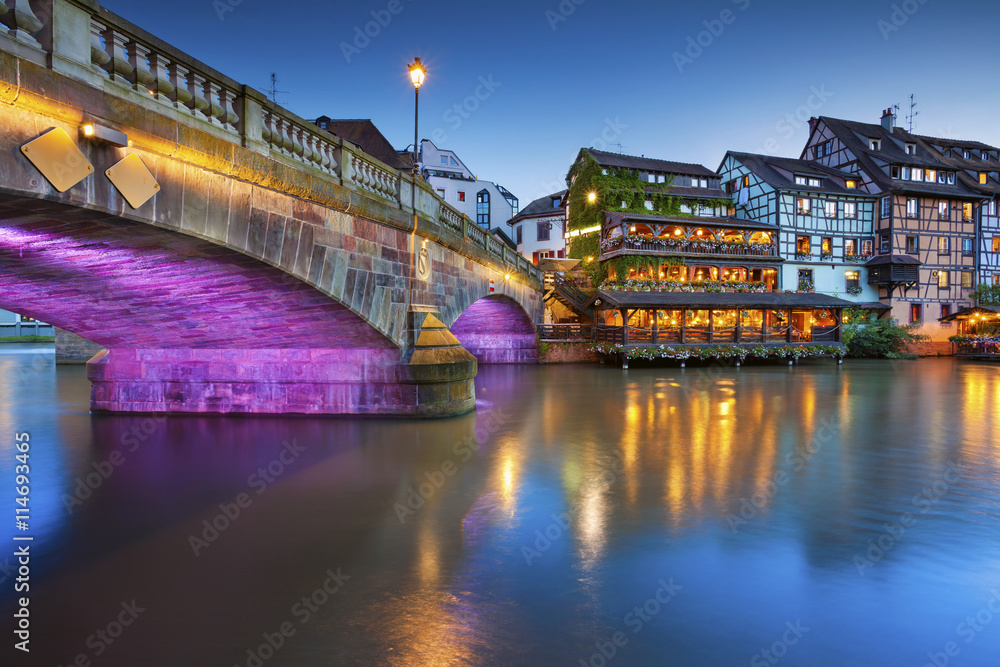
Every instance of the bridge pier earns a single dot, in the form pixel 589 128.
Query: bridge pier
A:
pixel 283 381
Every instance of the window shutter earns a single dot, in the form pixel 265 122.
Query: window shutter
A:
pixel 534 257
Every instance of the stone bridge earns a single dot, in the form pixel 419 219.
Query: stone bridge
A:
pixel 277 268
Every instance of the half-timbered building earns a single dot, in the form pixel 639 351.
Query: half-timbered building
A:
pixel 925 224
pixel 824 222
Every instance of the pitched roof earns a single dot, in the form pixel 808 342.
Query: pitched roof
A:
pixel 364 133
pixel 769 168
pixel 606 159
pixel 543 205
pixel 893 150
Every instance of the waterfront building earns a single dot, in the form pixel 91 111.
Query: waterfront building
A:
pixel 936 197
pixel 539 230
pixel 824 223
pixel 488 204
pixel 673 263
pixel 14 324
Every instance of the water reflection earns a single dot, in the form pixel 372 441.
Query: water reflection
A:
pixel 524 533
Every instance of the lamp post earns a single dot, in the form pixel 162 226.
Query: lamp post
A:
pixel 417 74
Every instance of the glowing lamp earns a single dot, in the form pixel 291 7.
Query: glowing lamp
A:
pixel 592 197
pixel 417 73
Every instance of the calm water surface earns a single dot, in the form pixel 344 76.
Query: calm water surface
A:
pixel 830 516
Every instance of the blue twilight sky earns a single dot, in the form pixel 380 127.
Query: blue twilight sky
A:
pixel 682 81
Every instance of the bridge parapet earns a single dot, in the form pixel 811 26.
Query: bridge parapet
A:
pixel 81 39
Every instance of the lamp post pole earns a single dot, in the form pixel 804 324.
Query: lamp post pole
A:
pixel 417 74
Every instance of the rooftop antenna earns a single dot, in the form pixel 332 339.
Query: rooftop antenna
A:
pixel 273 92
pixel 619 147
pixel 913 114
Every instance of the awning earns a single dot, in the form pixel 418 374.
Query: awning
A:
pixel 714 300
pixel 552 264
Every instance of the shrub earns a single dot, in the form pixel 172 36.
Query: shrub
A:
pixel 868 336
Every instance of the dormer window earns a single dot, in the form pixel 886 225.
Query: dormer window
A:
pixel 984 156
pixel 941 176
pixel 556 202
pixel 875 144
pixel 703 183
pixel 983 176
pixel 651 178
pixel 906 173
pixel 967 155
pixel 918 174
pixel 814 182
pixel 931 175
pixel 951 178
pixel 911 149
pixel 661 178
pixel 800 180
pixel 894 171
pixel 850 184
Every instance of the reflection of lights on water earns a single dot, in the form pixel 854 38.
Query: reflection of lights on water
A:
pixel 591 524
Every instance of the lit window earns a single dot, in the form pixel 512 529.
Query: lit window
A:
pixel 802 245
pixel 461 196
pixel 931 175
pixel 967 248
pixel 746 180
pixel 850 209
pixel 805 205
pixel 943 278
pixel 703 183
pixel 866 246
pixel 850 247
pixel 942 209
pixel 850 184
pixel 918 174
pixel 996 278
pixel 830 209
pixel 983 176
pixel 826 245
pixel 916 313
pixel 853 279
pixel 814 182
pixel 996 244
pixel 967 211
pixel 886 206
pixel 911 245
pixel 944 245
pixel 652 178
pixel 966 279
pixel 911 208
pixel 800 180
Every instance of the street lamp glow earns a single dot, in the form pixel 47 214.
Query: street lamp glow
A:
pixel 417 73
pixel 592 197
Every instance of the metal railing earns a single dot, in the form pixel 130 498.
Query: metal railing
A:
pixel 693 247
pixel 565 332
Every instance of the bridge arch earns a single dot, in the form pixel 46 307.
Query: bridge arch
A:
pixel 496 329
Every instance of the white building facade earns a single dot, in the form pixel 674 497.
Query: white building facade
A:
pixel 486 203
pixel 539 230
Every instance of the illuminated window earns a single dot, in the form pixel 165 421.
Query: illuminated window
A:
pixel 991 208
pixel 746 180
pixel 967 211
pixel 996 278
pixel 931 175
pixel 916 313
pixel 982 177
pixel 830 208
pixel 943 279
pixel 917 175
pixel 866 246
pixel 966 279
pixel 850 209
pixel 996 244
pixel 826 245
pixel 850 184
pixel 911 208
pixel 944 245
pixel 814 182
pixel 911 245
pixel 850 247
pixel 943 209
pixel 800 180
pixel 802 245
pixel 805 205
pixel 853 279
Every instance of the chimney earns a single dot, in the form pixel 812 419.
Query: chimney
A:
pixel 888 120
pixel 812 124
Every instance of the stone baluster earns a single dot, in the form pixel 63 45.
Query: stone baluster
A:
pixel 160 86
pixel 198 105
pixel 227 99
pixel 327 159
pixel 118 67
pixel 285 129
pixel 21 22
pixel 215 111
pixel 273 137
pixel 98 52
pixel 298 146
pixel 138 60
pixel 312 148
pixel 179 78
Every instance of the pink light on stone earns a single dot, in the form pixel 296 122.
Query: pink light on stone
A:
pixel 496 330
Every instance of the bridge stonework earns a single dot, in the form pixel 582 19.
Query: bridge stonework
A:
pixel 274 270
